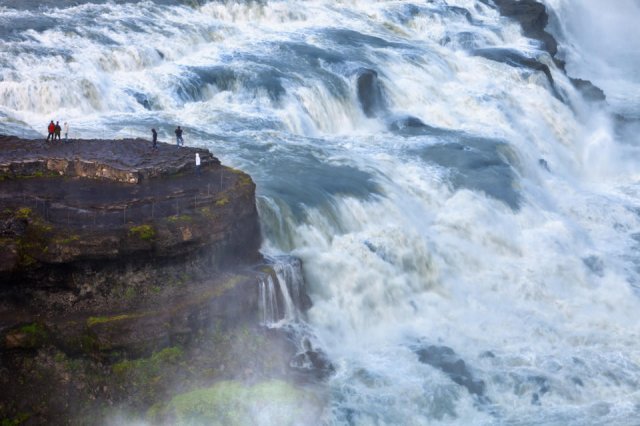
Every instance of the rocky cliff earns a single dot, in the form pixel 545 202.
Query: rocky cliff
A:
pixel 124 271
pixel 533 17
pixel 82 224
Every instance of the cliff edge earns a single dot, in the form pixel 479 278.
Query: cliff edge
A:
pixel 82 223
pixel 126 275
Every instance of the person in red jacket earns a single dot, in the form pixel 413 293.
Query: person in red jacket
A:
pixel 52 130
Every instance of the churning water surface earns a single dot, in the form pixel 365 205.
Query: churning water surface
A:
pixel 469 226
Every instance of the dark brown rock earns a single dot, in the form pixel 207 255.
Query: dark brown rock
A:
pixel 83 223
pixel 126 160
pixel 533 17
pixel 123 276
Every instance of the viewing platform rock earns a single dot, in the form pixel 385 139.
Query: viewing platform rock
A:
pixel 117 229
pixel 126 274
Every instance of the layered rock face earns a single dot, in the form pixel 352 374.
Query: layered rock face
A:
pixel 533 17
pixel 125 272
pixel 82 222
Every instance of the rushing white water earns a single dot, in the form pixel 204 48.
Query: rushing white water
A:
pixel 281 293
pixel 268 301
pixel 412 237
pixel 600 47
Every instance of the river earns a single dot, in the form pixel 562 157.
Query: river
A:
pixel 469 228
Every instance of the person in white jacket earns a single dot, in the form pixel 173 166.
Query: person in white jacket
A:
pixel 197 163
pixel 65 130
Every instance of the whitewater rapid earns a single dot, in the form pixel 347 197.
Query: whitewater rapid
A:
pixel 477 206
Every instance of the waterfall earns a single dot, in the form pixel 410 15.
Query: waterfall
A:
pixel 268 301
pixel 454 199
pixel 282 294
pixel 290 279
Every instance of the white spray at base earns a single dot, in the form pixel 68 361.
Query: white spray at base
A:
pixel 411 238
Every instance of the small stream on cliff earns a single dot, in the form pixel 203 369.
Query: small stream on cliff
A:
pixel 468 223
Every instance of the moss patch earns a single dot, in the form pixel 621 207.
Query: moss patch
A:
pixel 23 213
pixel 181 218
pixel 33 329
pixel 222 202
pixel 15 421
pixel 148 378
pixel 27 336
pixel 223 287
pixel 151 365
pixel 33 244
pixel 67 240
pixel 130 293
pixel 144 232
pixel 206 212
pixel 102 320
pixel 244 179
pixel 232 403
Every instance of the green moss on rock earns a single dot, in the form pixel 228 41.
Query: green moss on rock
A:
pixel 151 365
pixel 33 329
pixel 181 218
pixel 15 421
pixel 231 403
pixel 92 321
pixel 23 213
pixel 144 232
pixel 222 202
pixel 27 336
pixel 67 240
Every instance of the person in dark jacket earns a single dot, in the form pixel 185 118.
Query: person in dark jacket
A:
pixel 57 130
pixel 154 136
pixel 179 140
pixel 52 131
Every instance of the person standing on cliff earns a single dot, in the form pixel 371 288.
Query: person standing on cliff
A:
pixel 179 140
pixel 154 138
pixel 52 130
pixel 57 130
pixel 198 164
pixel 65 130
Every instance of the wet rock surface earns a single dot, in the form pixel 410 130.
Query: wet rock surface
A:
pixel 370 92
pixel 126 160
pixel 533 17
pixel 312 360
pixel 84 235
pixel 446 360
pixel 126 276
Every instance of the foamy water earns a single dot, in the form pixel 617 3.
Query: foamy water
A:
pixel 449 234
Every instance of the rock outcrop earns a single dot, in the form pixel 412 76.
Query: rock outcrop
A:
pixel 533 17
pixel 84 223
pixel 117 261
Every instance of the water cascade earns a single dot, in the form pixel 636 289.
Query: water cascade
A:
pixel 465 213
pixel 268 301
pixel 282 294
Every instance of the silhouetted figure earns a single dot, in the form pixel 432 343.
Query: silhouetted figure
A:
pixel 154 136
pixel 179 140
pixel 65 130
pixel 197 163
pixel 52 131
pixel 57 130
